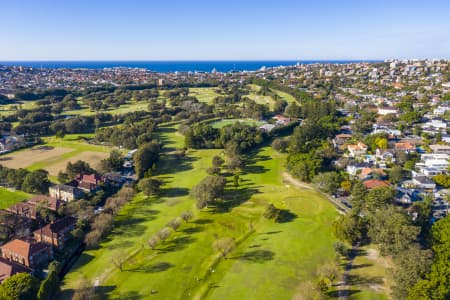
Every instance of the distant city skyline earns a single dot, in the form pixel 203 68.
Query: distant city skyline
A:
pixel 230 30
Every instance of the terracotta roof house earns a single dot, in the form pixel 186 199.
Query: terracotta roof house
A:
pixel 9 268
pixel 375 183
pixel 367 173
pixel 24 209
pixel 406 147
pixel 87 182
pixel 358 149
pixel 56 233
pixel 282 120
pixel 28 253
pixel 29 208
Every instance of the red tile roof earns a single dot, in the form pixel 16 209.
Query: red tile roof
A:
pixel 9 268
pixel 23 248
pixel 375 183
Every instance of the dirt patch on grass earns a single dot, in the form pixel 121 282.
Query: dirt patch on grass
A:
pixel 91 157
pixel 25 158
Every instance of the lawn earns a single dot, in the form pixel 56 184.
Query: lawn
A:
pixel 124 108
pixel 225 122
pixel 9 109
pixel 370 277
pixel 206 95
pixel 270 259
pixel 9 198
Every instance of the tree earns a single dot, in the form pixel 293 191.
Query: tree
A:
pixel 145 157
pixel 280 145
pixel 349 228
pixel 304 166
pixel 22 286
pixel 327 182
pixel 395 174
pixel 49 286
pixel 217 161
pixel 175 223
pixel 392 229
pixel 208 190
pixel 36 182
pixel 113 163
pixel 78 167
pixel 149 186
pixel 411 266
pixel 164 233
pixel 63 177
pixel 224 245
pixel 443 180
pixel 187 215
pixel 153 241
pixel 379 197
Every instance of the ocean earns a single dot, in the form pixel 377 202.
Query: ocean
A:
pixel 170 66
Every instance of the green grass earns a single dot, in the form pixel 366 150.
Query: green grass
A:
pixel 225 122
pixel 124 108
pixel 8 109
pixel 9 198
pixel 206 95
pixel 268 263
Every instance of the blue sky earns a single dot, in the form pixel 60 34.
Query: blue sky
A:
pixel 223 30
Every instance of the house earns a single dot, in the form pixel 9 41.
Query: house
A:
pixel 385 155
pixel 406 147
pixel 369 173
pixel 56 233
pixel 65 193
pixel 387 110
pixel 423 182
pixel 46 201
pixel 30 208
pixel 440 149
pixel 282 120
pixel 375 183
pixel 438 161
pixel 357 150
pixel 341 139
pixel 11 142
pixel 353 168
pixel 87 182
pixel 436 123
pixel 9 268
pixel 27 253
pixel 266 127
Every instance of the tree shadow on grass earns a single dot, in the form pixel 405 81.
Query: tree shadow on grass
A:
pixel 81 261
pixel 345 293
pixel 353 267
pixel 285 216
pixel 257 256
pixel 131 295
pixel 152 268
pixel 176 244
pixel 170 164
pixel 202 221
pixel 102 292
pixel 174 192
pixel 233 198
pixel 357 279
pixel 192 230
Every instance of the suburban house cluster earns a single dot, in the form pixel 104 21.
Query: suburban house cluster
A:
pixel 46 237
pixel 371 165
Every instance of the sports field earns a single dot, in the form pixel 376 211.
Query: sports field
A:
pixel 54 155
pixel 270 260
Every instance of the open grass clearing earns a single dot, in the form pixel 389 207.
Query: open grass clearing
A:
pixel 10 197
pixel 226 122
pixel 91 157
pixel 206 95
pixel 269 261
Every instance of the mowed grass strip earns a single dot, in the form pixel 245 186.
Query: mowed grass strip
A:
pixel 9 198
pixel 274 257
